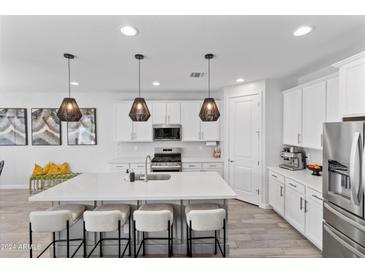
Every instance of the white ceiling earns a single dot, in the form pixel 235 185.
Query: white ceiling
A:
pixel 251 47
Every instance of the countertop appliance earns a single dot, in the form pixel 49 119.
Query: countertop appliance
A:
pixel 343 189
pixel 293 158
pixel 166 132
pixel 166 160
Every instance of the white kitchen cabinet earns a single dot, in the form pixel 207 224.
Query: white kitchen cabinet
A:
pixel 314 216
pixel 276 192
pixel 193 128
pixel 125 130
pixel 294 204
pixel 292 117
pixel 352 85
pixel 332 100
pixel 314 114
pixel 203 166
pixel 166 113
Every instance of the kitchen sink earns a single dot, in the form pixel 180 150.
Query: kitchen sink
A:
pixel 153 177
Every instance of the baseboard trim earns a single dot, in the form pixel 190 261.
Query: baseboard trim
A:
pixel 13 187
pixel 265 206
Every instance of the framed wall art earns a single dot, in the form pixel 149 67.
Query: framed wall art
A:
pixel 46 127
pixel 83 132
pixel 13 127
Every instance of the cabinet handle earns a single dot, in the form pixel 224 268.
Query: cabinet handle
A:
pixel 273 175
pixel 305 206
pixel 315 196
pixel 301 203
pixel 281 191
pixel 292 185
pixel 298 138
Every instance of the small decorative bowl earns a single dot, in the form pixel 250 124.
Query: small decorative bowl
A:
pixel 316 169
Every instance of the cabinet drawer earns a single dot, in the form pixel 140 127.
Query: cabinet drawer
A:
pixel 314 195
pixel 212 165
pixel 191 165
pixel 137 166
pixel 277 176
pixel 294 185
pixel 119 167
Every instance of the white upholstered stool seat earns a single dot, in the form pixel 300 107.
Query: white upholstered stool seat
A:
pixel 153 218
pixel 55 218
pixel 205 217
pixel 105 218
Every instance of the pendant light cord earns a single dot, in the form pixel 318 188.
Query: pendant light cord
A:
pixel 139 77
pixel 69 84
pixel 209 77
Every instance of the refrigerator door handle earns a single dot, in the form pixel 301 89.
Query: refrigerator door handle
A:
pixel 355 146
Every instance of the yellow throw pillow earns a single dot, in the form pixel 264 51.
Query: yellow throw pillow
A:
pixel 46 168
pixel 54 170
pixel 64 168
pixel 38 170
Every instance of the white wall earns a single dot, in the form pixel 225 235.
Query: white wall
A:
pixel 19 160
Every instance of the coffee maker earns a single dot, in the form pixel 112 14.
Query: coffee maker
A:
pixel 293 158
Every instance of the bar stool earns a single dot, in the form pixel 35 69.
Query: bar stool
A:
pixel 153 218
pixel 205 217
pixel 108 218
pixel 54 220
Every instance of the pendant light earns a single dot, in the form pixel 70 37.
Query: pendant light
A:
pixel 209 111
pixel 69 111
pixel 139 111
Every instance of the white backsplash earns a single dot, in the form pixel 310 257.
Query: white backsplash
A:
pixel 314 156
pixel 199 150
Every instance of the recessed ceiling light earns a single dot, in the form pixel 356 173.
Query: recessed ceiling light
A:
pixel 240 80
pixel 303 30
pixel 73 83
pixel 129 30
pixel 156 83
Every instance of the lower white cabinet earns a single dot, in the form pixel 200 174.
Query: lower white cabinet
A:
pixel 300 205
pixel 294 206
pixel 200 167
pixel 314 216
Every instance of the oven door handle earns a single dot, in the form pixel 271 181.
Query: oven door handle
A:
pixel 342 241
pixel 355 150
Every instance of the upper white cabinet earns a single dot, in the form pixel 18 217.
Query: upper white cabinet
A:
pixel 352 85
pixel 306 108
pixel 193 129
pixel 125 130
pixel 166 113
pixel 292 117
pixel 314 114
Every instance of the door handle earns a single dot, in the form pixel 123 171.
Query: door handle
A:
pixel 231 161
pixel 305 206
pixel 355 146
pixel 301 203
pixel 281 191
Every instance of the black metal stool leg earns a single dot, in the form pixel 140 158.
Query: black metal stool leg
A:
pixel 119 247
pixel 168 238
pixel 215 242
pixel 68 238
pixel 143 245
pixel 30 241
pixel 190 241
pixel 187 239
pixel 101 243
pixel 172 240
pixel 54 244
pixel 129 236
pixel 84 238
pixel 134 239
pixel 224 238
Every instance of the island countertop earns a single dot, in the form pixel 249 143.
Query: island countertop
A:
pixel 112 187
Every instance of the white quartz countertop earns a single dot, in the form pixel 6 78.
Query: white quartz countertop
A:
pixel 134 160
pixel 112 187
pixel 303 176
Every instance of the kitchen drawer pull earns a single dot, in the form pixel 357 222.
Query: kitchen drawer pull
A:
pixel 305 206
pixel 315 196
pixel 192 165
pixel 301 203
pixel 273 175
pixel 292 185
pixel 281 191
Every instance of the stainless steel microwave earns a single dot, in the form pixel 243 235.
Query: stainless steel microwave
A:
pixel 166 132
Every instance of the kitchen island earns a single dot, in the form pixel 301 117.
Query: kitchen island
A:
pixel 181 189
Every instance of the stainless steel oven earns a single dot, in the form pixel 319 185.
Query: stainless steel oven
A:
pixel 343 192
pixel 166 160
pixel 165 132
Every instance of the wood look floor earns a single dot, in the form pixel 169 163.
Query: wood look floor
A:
pixel 253 232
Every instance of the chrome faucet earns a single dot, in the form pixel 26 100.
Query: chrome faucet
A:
pixel 145 166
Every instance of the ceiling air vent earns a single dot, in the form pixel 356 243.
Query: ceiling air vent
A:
pixel 197 74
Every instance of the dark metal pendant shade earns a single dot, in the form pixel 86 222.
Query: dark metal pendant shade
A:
pixel 139 111
pixel 69 111
pixel 209 111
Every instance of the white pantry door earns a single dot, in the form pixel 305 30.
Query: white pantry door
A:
pixel 244 129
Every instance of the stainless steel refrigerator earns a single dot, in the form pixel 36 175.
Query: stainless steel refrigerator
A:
pixel 343 189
